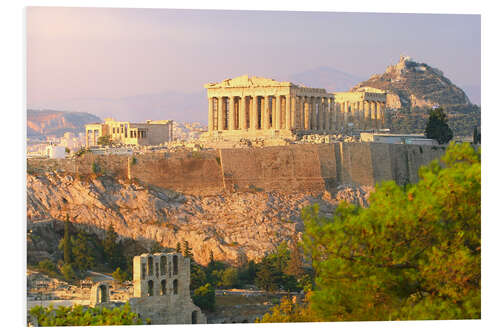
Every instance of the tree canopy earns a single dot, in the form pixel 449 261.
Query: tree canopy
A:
pixel 414 253
pixel 437 126
pixel 79 315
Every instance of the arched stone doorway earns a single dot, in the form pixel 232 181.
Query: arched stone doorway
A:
pixel 102 294
pixel 99 293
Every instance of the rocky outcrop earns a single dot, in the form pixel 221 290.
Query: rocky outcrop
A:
pixel 413 84
pixel 235 226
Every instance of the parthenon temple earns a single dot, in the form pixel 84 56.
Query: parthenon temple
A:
pixel 256 106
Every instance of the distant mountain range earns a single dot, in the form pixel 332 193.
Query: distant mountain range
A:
pixel 41 123
pixel 408 81
pixel 190 107
pixel 325 77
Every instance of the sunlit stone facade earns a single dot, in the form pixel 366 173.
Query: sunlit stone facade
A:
pixel 261 107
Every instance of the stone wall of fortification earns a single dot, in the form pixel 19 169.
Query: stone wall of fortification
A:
pixel 304 168
pixel 196 173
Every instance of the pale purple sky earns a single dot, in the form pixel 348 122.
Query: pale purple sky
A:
pixel 104 61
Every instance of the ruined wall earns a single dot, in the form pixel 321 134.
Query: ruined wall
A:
pixel 368 164
pixel 197 172
pixel 288 168
pixel 188 172
pixel 111 165
pixel 304 168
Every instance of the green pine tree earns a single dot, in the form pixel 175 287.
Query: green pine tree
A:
pixel 295 264
pixel 413 254
pixel 113 249
pixel 83 257
pixel 186 252
pixel 67 242
pixel 437 126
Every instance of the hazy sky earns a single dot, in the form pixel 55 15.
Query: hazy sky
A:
pixel 77 55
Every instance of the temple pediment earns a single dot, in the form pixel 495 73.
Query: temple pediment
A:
pixel 245 81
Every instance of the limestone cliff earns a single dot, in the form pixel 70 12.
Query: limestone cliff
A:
pixel 232 225
pixel 413 84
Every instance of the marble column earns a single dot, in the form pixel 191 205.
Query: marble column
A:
pixel 327 113
pixel 347 113
pixel 342 114
pixel 383 113
pixel 373 108
pixel 333 110
pixel 231 118
pixel 293 112
pixel 288 113
pixel 255 112
pixel 300 113
pixel 378 115
pixel 319 114
pixel 313 113
pixel 353 112
pixel 307 113
pixel 366 114
pixel 278 113
pixel 220 113
pixel 330 114
pixel 336 115
pixel 321 120
pixel 243 112
pixel 317 108
pixel 210 114
pixel 266 124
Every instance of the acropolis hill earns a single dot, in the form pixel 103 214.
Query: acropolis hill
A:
pixel 236 202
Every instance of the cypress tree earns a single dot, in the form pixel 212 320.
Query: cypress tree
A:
pixel 437 127
pixel 67 243
pixel 212 260
pixel 187 250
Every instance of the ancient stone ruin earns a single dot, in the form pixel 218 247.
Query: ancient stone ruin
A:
pixel 161 290
pixel 247 107
pixel 99 294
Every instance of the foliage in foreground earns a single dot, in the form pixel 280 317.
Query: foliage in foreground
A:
pixel 289 311
pixel 413 254
pixel 84 316
pixel 204 297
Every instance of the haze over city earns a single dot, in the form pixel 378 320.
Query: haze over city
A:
pixel 138 64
